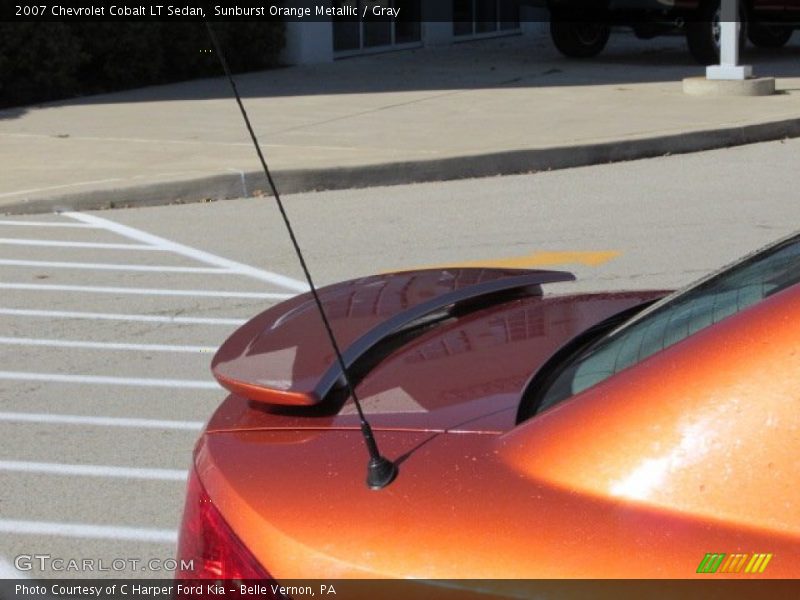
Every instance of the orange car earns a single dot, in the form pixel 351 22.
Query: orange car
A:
pixel 613 435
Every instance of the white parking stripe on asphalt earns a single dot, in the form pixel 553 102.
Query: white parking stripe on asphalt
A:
pixel 47 287
pixel 104 380
pixel 113 267
pixel 84 530
pixel 81 420
pixel 66 314
pixel 48 224
pixel 23 341
pixel 19 466
pixel 199 255
pixel 68 244
pixel 55 255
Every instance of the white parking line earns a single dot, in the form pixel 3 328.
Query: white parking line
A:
pixel 19 466
pixel 50 419
pixel 199 255
pixel 84 530
pixel 66 314
pixel 113 267
pixel 47 287
pixel 68 244
pixel 92 470
pixel 48 224
pixel 104 380
pixel 23 341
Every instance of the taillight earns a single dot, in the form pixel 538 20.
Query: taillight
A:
pixel 207 547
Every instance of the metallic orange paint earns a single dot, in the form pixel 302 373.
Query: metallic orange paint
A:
pixel 708 427
pixel 282 356
pixel 694 449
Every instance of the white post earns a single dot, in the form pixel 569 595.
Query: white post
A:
pixel 729 67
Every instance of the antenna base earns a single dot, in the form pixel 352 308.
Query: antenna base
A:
pixel 380 472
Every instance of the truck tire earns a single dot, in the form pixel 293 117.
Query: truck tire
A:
pixel 578 39
pixel 703 33
pixel 769 36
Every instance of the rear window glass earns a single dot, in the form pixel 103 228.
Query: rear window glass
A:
pixel 677 317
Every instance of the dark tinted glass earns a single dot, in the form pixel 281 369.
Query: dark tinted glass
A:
pixel 346 30
pixel 485 16
pixel 677 317
pixel 377 29
pixel 407 27
pixel 509 14
pixel 462 17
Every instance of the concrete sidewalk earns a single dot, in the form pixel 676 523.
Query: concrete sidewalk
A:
pixel 499 106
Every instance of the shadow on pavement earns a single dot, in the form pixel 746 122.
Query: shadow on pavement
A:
pixel 12 113
pixel 517 61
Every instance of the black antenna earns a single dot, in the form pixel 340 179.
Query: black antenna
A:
pixel 380 470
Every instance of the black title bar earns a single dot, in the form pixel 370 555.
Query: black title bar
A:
pixel 198 10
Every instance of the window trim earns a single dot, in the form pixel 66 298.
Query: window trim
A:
pixel 541 382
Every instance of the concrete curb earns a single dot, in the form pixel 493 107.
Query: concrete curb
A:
pixel 234 185
pixel 753 86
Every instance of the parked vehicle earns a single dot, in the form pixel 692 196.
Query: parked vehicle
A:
pixel 581 28
pixel 607 435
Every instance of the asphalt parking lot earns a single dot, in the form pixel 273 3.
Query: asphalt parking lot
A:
pixel 108 319
pixel 105 382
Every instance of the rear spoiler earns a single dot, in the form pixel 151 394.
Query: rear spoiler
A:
pixel 283 356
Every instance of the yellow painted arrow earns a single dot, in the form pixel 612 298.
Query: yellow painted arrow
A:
pixel 539 259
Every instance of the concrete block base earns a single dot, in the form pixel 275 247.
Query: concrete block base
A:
pixel 729 72
pixel 756 86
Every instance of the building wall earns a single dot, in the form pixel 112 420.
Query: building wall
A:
pixel 310 42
